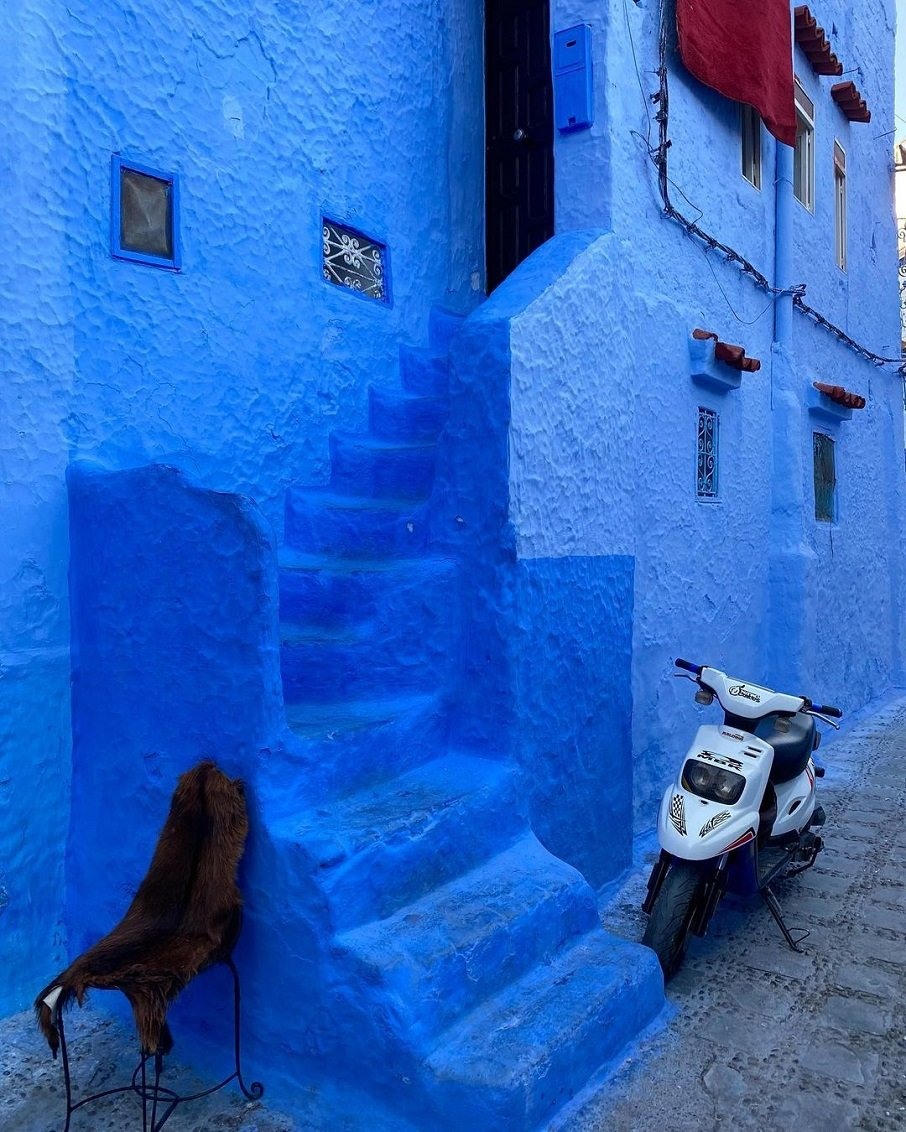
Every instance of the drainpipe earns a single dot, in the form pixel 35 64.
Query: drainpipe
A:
pixel 790 560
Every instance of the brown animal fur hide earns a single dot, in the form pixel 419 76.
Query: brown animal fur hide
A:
pixel 185 916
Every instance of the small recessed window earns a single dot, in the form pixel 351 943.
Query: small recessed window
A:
pixel 840 205
pixel 825 477
pixel 353 260
pixel 750 137
pixel 804 154
pixel 706 483
pixel 145 215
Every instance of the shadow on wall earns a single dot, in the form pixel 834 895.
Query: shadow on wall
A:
pixel 174 617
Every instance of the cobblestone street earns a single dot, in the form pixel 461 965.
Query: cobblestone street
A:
pixel 760 1037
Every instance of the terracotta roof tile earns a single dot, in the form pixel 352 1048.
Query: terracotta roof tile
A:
pixel 840 396
pixel 734 356
pixel 852 103
pixel 812 39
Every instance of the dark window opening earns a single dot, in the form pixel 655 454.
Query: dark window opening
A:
pixel 144 227
pixel 825 477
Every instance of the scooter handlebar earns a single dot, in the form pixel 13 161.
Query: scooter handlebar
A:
pixel 688 665
pixel 826 709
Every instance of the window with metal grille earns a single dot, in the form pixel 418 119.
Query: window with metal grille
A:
pixel 825 477
pixel 706 480
pixel 750 137
pixel 144 224
pixel 353 260
pixel 804 153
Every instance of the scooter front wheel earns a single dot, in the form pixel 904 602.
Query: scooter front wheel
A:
pixel 670 921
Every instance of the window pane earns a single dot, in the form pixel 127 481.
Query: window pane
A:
pixel 825 477
pixel 146 214
pixel 750 134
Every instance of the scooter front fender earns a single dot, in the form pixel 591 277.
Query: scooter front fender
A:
pixel 695 829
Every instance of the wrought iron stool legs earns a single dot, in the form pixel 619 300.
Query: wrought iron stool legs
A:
pixel 155 1096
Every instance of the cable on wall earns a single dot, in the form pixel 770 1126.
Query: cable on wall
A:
pixel 658 156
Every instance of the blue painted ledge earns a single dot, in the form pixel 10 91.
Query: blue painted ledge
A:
pixel 706 370
pixel 824 409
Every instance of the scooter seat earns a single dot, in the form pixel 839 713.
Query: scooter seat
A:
pixel 793 748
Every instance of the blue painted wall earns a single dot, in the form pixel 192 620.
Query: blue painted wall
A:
pixel 174 615
pixel 602 436
pixel 234 369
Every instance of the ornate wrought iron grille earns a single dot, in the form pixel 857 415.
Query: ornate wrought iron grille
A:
pixel 825 477
pixel 354 261
pixel 706 473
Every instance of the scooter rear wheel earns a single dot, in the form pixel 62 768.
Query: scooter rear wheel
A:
pixel 669 924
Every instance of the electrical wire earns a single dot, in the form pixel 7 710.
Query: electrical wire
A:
pixel 658 156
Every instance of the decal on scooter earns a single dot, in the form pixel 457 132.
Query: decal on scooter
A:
pixel 714 822
pixel 720 760
pixel 734 735
pixel 743 691
pixel 749 835
pixel 678 814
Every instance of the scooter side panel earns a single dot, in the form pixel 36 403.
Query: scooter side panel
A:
pixel 795 802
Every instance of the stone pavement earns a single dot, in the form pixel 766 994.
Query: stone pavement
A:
pixel 759 1036
pixel 766 1039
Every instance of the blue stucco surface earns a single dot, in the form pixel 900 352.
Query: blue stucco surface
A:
pixel 602 433
pixel 236 368
pixel 419 580
pixel 572 649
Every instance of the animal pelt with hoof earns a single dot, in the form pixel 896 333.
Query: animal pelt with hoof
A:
pixel 185 916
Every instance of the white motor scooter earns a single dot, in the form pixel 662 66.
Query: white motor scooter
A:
pixel 740 815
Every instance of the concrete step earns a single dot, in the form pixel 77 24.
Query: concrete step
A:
pixel 439 957
pixel 416 654
pixel 443 326
pixel 397 415
pixel 376 850
pixel 519 1057
pixel 381 469
pixel 380 595
pixel 337 747
pixel 424 371
pixel 322 521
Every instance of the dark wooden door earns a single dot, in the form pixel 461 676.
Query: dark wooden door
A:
pixel 519 132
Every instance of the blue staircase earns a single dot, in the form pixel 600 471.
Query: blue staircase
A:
pixel 458 968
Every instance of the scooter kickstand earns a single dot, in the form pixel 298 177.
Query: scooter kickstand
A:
pixel 776 911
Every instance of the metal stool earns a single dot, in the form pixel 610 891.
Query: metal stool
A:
pixel 155 1097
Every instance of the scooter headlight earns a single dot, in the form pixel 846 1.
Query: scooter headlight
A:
pixel 713 782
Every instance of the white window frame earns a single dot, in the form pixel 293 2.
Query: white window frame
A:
pixel 804 155
pixel 750 144
pixel 840 205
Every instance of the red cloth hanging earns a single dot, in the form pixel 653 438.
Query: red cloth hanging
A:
pixel 743 50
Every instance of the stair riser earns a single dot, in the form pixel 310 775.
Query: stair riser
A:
pixel 352 760
pixel 381 600
pixel 325 672
pixel 423 373
pixel 440 991
pixel 380 473
pixel 595 1043
pixel 395 417
pixel 389 874
pixel 314 527
pixel 443 326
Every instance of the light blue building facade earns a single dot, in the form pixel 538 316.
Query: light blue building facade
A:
pixel 416 561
